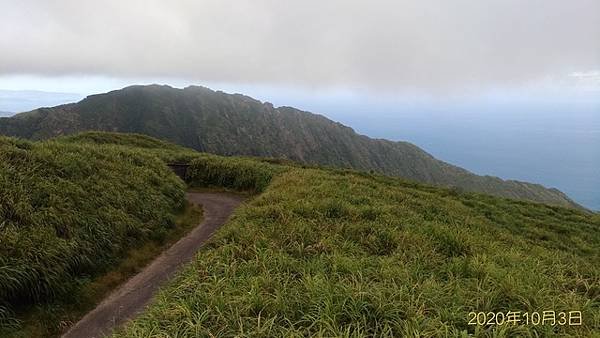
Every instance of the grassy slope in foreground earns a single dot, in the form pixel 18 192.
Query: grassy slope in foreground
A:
pixel 336 253
pixel 71 209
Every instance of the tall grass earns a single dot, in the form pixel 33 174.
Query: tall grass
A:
pixel 168 152
pixel 129 140
pixel 318 252
pixel 336 253
pixel 233 173
pixel 70 209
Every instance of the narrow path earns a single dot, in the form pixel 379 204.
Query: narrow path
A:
pixel 131 298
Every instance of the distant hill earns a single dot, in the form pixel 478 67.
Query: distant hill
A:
pixel 234 124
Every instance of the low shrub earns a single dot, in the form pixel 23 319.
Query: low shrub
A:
pixel 231 172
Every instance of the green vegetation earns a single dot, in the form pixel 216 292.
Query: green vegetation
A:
pixel 51 318
pixel 339 253
pixel 70 211
pixel 129 140
pixel 231 173
pixel 317 252
pixel 167 152
pixel 225 124
pixel 139 256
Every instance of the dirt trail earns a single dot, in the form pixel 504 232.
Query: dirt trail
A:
pixel 131 298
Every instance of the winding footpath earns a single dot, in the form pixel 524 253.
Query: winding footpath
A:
pixel 133 296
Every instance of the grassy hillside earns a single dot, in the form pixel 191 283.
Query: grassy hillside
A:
pixel 119 139
pixel 338 253
pixel 165 151
pixel 70 210
pixel 225 124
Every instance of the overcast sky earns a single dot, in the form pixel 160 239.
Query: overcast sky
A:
pixel 425 46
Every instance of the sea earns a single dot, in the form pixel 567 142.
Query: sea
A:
pixel 556 144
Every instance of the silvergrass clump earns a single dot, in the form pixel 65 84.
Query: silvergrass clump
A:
pixel 71 209
pixel 234 173
pixel 168 152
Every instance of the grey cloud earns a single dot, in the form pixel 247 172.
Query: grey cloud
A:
pixel 431 45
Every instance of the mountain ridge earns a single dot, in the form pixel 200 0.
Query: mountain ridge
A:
pixel 236 124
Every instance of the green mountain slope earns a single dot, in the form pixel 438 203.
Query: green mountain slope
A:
pixel 227 124
pixel 335 253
